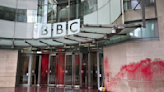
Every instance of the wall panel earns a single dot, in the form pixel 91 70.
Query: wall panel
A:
pixel 8 67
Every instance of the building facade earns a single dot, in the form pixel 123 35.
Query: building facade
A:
pixel 112 48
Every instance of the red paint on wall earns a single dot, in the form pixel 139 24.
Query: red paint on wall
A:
pixel 106 69
pixel 44 68
pixel 146 72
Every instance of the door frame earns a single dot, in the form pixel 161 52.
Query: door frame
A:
pixel 73 60
pixel 98 68
pixel 48 80
pixel 80 81
pixel 29 69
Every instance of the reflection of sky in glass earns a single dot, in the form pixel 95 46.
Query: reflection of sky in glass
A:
pixel 134 3
pixel 31 16
pixel 136 33
pixel 45 12
pixel 152 26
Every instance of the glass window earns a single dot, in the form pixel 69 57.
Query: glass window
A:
pixel 51 16
pixel 9 14
pixel 2 12
pixel 128 5
pixel 42 13
pixel 22 15
pixel 148 31
pixel 136 33
pixel 151 30
pixel 31 16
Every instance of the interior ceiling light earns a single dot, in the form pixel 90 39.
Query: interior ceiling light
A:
pixel 93 41
pixel 65 45
pixel 48 47
pixel 67 6
pixel 79 43
pixel 105 37
pixel 113 30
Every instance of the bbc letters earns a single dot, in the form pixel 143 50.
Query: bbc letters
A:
pixel 59 29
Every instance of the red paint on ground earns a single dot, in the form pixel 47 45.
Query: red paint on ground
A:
pixel 146 72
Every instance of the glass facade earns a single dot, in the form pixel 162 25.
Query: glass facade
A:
pixel 136 4
pixel 62 10
pixel 50 11
pixel 18 15
pixel 151 30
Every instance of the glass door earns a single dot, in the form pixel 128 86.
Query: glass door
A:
pixel 94 74
pixel 56 70
pixel 29 69
pixel 24 71
pixel 44 70
pixel 84 70
pixel 77 71
pixel 35 69
pixel 52 78
pixel 100 69
pixel 68 70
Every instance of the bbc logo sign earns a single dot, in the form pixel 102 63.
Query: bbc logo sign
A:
pixel 59 29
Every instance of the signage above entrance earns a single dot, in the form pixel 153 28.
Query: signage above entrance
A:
pixel 56 29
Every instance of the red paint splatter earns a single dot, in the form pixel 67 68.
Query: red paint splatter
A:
pixel 82 39
pixel 147 72
pixel 106 69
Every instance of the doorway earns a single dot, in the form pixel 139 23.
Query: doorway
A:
pixel 29 70
pixel 56 69
pixel 62 69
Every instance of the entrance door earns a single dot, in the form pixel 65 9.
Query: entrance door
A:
pixel 56 70
pixel 44 69
pixel 100 69
pixel 29 69
pixel 35 69
pixel 77 71
pixel 84 70
pixel 93 66
pixel 72 70
pixel 24 71
pixel 52 78
pixel 68 79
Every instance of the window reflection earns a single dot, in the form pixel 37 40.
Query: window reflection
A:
pixel 148 32
pixel 50 11
pixel 18 15
pixel 9 14
pixel 58 10
pixel 128 5
pixel 21 15
pixel 136 33
pixel 2 12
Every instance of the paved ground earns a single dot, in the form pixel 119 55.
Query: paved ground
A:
pixel 44 89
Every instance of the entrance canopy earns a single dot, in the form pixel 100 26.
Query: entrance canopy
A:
pixel 88 34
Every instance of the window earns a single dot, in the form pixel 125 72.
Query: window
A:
pixel 21 15
pixel 2 12
pixel 131 4
pixel 150 31
pixel 9 14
